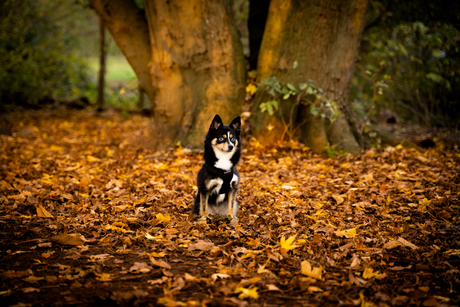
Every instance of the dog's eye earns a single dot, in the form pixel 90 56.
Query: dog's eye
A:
pixel 221 139
pixel 233 140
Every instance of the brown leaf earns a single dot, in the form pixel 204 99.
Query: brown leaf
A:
pixel 201 245
pixel 41 212
pixel 338 198
pixel 68 239
pixel 160 263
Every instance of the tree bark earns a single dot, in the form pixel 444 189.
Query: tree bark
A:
pixel 315 40
pixel 188 58
pixel 197 66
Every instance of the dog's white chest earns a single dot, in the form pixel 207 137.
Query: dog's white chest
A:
pixel 223 159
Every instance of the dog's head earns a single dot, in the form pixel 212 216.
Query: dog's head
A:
pixel 224 138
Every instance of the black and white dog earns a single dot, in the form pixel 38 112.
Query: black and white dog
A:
pixel 218 178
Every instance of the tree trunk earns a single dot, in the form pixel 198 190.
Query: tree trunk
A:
pixel 197 66
pixel 102 66
pixel 128 26
pixel 188 58
pixel 315 40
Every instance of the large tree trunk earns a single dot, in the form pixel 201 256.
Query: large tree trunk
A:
pixel 197 66
pixel 188 58
pixel 317 40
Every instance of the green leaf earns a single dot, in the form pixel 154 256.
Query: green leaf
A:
pixel 434 77
pixel 313 110
pixel 263 107
pixel 291 87
pixel 270 109
pixel 303 86
pixel 286 96
pixel 274 104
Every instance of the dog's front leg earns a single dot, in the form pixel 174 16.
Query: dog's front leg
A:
pixel 231 203
pixel 204 204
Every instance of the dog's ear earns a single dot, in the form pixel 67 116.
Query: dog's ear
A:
pixel 216 123
pixel 236 124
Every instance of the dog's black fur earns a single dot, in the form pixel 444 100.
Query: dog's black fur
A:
pixel 218 178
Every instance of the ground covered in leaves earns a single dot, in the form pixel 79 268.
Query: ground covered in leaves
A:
pixel 90 216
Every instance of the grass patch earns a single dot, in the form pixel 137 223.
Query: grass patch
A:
pixel 118 69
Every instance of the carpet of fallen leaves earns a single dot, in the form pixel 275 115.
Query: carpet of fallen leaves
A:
pixel 90 216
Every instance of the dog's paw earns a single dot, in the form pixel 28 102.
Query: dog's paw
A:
pixel 203 219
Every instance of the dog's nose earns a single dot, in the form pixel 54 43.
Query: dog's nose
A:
pixel 230 147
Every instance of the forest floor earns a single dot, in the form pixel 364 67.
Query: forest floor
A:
pixel 89 215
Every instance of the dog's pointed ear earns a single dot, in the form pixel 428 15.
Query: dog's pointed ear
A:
pixel 216 122
pixel 236 124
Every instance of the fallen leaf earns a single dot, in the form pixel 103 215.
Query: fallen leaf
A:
pixel 247 293
pixel 338 199
pixel 369 273
pixel 287 244
pixel 404 242
pixel 163 219
pixel 30 290
pixel 307 270
pixel 33 279
pixel 201 245
pixel 216 276
pixel 349 233
pixel 104 277
pixel 160 263
pixel 271 287
pixel 41 212
pixel 140 267
pixel 68 239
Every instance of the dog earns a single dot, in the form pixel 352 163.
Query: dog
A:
pixel 218 178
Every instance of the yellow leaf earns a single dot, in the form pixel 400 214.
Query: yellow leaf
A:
pixel 245 293
pixel 307 270
pixel 104 277
pixel 5 185
pixel 92 159
pixel 41 212
pixel 320 212
pixel 262 269
pixel 163 219
pixel 349 233
pixel 369 273
pixel 251 89
pixel 287 244
pixel 154 238
pixel 158 255
pixel 117 229
pixel 55 148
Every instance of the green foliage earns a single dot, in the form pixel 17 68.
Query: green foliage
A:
pixel 307 93
pixel 39 57
pixel 410 68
